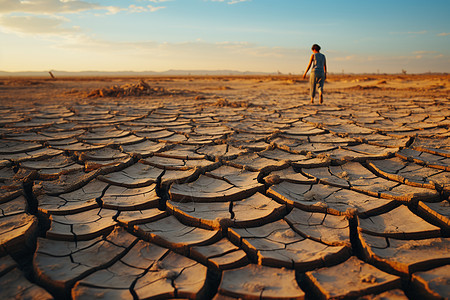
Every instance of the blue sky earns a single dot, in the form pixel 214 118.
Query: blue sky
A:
pixel 245 35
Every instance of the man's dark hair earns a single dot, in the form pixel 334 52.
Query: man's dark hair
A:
pixel 315 47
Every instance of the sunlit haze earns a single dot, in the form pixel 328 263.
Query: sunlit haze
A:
pixel 243 35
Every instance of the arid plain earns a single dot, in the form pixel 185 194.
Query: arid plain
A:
pixel 225 187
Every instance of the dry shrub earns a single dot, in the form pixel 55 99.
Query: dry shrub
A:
pixel 222 102
pixel 139 89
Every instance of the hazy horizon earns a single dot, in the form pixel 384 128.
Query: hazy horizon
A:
pixel 172 72
pixel 263 36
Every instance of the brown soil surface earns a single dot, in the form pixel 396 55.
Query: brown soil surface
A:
pixel 225 187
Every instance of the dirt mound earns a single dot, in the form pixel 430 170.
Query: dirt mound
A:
pixel 367 87
pixel 24 83
pixel 226 103
pixel 139 89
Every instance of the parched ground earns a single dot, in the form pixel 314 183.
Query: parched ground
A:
pixel 225 187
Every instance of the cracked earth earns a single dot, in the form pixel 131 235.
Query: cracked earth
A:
pixel 225 188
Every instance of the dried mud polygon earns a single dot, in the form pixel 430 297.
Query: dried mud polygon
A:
pixel 353 278
pixel 255 281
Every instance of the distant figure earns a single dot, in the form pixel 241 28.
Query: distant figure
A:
pixel 318 72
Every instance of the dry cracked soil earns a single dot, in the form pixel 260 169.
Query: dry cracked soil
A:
pixel 225 188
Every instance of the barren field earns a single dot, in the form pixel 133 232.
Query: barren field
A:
pixel 225 187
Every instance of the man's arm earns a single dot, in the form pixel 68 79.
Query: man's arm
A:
pixel 309 65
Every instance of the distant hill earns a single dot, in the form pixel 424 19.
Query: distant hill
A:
pixel 128 73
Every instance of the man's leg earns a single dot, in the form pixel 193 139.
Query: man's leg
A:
pixel 312 81
pixel 321 81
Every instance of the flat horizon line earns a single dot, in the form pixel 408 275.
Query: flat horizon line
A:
pixel 181 72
